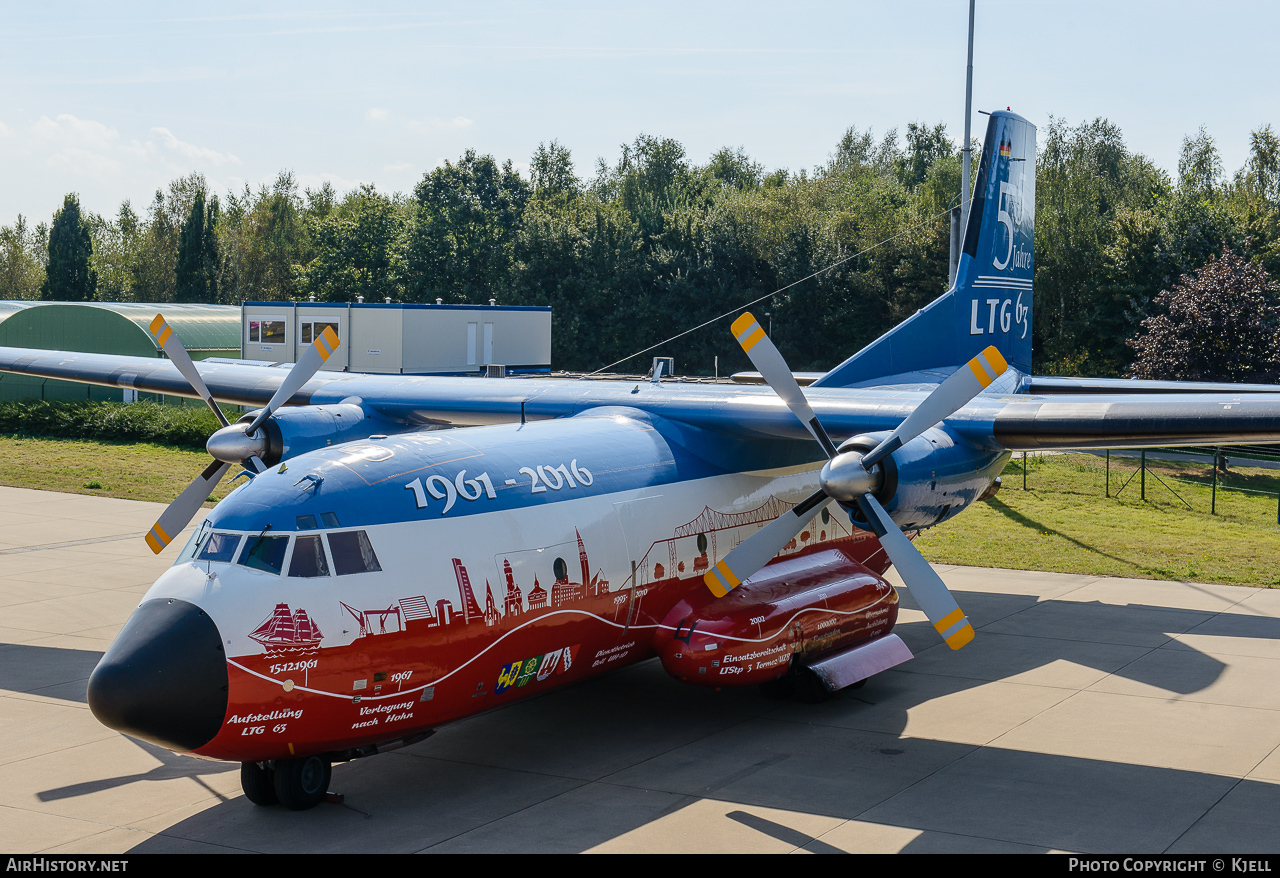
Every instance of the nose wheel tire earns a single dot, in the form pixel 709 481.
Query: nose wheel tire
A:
pixel 301 783
pixel 258 783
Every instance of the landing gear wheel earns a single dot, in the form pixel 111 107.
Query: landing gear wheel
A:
pixel 258 783
pixel 301 783
pixel 807 688
pixel 777 690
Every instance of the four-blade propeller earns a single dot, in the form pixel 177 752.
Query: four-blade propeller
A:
pixel 851 477
pixel 235 443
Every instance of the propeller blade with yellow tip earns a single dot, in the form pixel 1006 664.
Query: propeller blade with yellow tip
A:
pixel 767 359
pixel 758 549
pixel 946 399
pixel 927 587
pixel 184 508
pixel 308 364
pixel 167 340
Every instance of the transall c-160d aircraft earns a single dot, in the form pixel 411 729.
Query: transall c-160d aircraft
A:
pixel 377 576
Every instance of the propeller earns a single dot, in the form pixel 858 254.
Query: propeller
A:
pixel 242 444
pixel 852 477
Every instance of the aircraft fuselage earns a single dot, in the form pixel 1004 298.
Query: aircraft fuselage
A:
pixel 367 593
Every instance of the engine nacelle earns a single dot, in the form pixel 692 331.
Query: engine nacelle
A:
pixel 296 430
pixel 796 608
pixel 929 479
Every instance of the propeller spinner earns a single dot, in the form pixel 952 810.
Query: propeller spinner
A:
pixel 234 443
pixel 852 477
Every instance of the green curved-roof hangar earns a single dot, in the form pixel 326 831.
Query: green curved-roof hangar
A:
pixel 107 328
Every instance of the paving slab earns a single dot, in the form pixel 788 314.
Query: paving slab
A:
pixel 1016 658
pixel 1091 714
pixel 1157 732
pixel 715 826
pixel 864 837
pixel 1056 802
pixel 1243 820
pixel 1188 675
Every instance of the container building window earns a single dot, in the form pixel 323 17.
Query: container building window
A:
pixel 267 330
pixel 312 329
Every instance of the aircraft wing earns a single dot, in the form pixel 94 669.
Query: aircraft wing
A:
pixel 239 385
pixel 1013 422
pixel 1042 384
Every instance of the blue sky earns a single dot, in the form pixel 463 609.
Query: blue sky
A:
pixel 114 100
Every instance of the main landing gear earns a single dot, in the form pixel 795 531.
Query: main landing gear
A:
pixel 800 684
pixel 298 784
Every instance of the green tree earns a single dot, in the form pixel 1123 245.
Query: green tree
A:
pixel 465 220
pixel 551 171
pixel 69 276
pixel 1255 198
pixel 1218 324
pixel 22 254
pixel 114 249
pixel 196 272
pixel 925 146
pixel 1088 186
pixel 356 245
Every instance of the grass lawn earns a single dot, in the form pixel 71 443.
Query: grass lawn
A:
pixel 110 469
pixel 1065 522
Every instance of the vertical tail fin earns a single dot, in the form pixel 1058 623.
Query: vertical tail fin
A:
pixel 991 301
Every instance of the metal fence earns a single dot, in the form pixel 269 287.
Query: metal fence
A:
pixel 1127 471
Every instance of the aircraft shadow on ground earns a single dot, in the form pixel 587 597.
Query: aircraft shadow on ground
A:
pixel 582 766
pixel 613 754
pixel 172 765
pixel 47 670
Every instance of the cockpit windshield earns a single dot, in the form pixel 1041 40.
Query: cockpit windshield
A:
pixel 264 553
pixel 220 547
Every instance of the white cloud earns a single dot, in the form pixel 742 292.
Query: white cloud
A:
pixel 398 166
pixel 192 152
pixel 66 131
pixel 377 114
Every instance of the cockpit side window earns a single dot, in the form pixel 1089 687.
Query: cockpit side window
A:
pixel 220 547
pixel 264 553
pixel 353 553
pixel 308 558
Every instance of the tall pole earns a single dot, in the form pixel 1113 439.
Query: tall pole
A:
pixel 968 140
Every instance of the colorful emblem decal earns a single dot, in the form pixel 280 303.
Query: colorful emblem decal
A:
pixel 538 668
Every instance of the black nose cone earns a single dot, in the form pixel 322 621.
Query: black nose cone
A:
pixel 164 679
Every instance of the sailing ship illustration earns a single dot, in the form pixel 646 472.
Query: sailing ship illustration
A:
pixel 284 630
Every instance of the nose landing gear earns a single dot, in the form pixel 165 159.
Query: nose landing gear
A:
pixel 258 780
pixel 298 784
